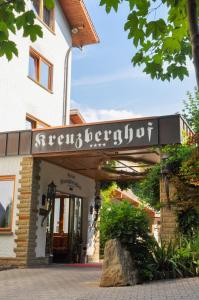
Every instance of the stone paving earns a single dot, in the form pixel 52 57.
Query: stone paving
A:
pixel 66 283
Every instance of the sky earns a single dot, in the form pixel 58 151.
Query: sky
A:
pixel 106 86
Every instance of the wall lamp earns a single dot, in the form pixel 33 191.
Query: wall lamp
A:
pixel 76 29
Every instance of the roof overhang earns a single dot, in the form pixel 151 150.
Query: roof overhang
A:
pixel 82 28
pixel 76 117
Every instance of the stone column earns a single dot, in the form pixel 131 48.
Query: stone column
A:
pixel 27 212
pixel 95 258
pixel 167 213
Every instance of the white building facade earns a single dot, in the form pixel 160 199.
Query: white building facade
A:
pixel 35 93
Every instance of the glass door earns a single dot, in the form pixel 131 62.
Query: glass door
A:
pixel 66 230
pixel 60 230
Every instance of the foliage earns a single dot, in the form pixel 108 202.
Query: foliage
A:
pixel 177 155
pixel 123 221
pixel 106 190
pixel 179 259
pixel 191 110
pixel 148 189
pixel 163 263
pixel 162 40
pixel 130 226
pixel 188 255
pixel 189 170
pixel 188 221
pixel 14 17
pixel 124 185
pixel 181 163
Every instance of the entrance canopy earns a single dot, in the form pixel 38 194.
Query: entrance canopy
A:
pixel 86 149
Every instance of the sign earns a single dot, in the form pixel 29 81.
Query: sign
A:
pixel 71 182
pixel 126 134
pixel 129 134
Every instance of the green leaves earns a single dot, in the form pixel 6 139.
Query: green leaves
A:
pixel 49 4
pixel 110 4
pixel 163 43
pixel 8 48
pixel 15 17
pixel 191 110
pixel 26 22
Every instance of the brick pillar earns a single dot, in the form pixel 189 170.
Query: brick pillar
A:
pixel 167 214
pixel 28 211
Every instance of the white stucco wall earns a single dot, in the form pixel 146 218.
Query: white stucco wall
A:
pixel 85 189
pixel 10 166
pixel 20 95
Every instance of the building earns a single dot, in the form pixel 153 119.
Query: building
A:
pixel 50 160
pixel 35 93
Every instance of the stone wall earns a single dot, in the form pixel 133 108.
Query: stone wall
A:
pixel 168 214
pixel 28 213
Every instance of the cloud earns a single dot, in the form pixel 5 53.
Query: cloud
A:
pixel 125 74
pixel 94 115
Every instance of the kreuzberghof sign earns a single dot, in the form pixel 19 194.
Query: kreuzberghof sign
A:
pixel 97 136
pixel 129 134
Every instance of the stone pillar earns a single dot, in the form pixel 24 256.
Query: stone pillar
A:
pixel 95 258
pixel 27 212
pixel 167 213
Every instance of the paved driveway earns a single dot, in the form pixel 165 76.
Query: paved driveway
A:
pixel 82 284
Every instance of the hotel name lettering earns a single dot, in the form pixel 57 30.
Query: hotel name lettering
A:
pixel 118 135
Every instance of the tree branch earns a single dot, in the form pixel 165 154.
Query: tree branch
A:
pixel 192 11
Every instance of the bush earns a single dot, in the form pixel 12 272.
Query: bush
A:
pixel 148 189
pixel 188 222
pixel 163 265
pixel 130 226
pixel 180 259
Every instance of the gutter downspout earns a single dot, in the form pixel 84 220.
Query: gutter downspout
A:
pixel 66 100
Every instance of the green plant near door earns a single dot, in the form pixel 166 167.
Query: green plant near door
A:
pixel 131 226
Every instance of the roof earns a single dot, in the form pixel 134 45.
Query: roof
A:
pixel 76 117
pixel 132 198
pixel 82 28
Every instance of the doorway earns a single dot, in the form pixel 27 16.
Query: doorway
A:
pixel 67 229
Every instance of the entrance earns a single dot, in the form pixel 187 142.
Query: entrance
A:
pixel 67 229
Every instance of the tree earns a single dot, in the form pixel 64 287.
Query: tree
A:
pixel 14 17
pixel 191 110
pixel 164 43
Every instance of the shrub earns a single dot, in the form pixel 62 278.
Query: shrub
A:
pixel 188 221
pixel 130 226
pixel 179 259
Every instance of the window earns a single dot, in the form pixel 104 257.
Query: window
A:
pixel 7 184
pixel 40 70
pixel 45 14
pixel 32 123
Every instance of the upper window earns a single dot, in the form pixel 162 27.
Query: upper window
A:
pixel 32 122
pixel 45 14
pixel 6 202
pixel 40 70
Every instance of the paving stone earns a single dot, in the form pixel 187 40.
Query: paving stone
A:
pixel 64 283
